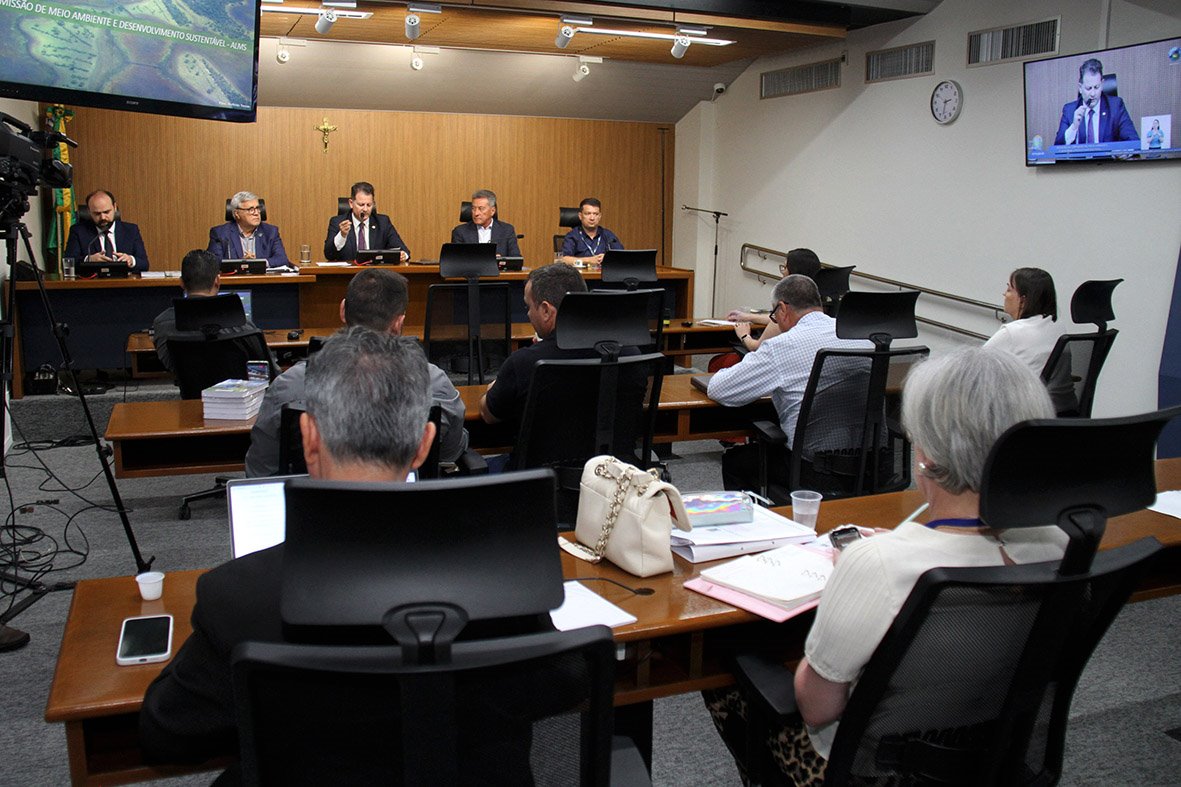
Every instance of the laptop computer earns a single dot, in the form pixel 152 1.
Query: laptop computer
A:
pixel 379 256
pixel 258 512
pixel 701 382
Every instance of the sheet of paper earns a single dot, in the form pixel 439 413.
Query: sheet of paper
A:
pixel 333 264
pixel 584 607
pixel 716 323
pixel 153 274
pixel 767 525
pixel 1168 503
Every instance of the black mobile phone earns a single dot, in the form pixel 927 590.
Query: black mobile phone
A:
pixel 844 535
pixel 144 640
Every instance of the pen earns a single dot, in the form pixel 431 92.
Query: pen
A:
pixel 914 514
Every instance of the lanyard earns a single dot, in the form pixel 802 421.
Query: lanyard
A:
pixel 586 239
pixel 975 523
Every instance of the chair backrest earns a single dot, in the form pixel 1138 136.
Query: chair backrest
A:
pixel 532 709
pixel 262 209
pixel 83 213
pixel 466 334
pixel 878 316
pixel 973 681
pixel 1072 371
pixel 200 361
pixel 468 260
pixel 1110 85
pixel 291 459
pixel 633 268
pixel 844 444
pixel 465 212
pixel 1091 302
pixel 833 284
pixel 568 217
pixel 342 206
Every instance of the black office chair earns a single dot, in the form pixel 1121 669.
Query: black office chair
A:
pixel 468 326
pixel 1072 370
pixel 603 403
pixel 419 647
pixel 567 217
pixel 291 459
pixel 973 681
pixel 208 355
pixel 262 209
pixel 833 283
pixel 846 443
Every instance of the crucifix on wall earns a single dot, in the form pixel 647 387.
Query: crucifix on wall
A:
pixel 325 129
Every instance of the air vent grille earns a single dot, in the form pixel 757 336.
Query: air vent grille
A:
pixel 900 62
pixel 823 75
pixel 1011 43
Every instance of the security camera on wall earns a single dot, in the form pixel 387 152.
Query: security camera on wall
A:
pixel 719 88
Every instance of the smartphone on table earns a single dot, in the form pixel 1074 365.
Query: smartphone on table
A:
pixel 145 640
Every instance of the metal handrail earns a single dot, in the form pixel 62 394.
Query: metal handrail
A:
pixel 996 309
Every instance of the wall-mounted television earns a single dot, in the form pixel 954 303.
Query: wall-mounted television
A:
pixel 1112 105
pixel 196 58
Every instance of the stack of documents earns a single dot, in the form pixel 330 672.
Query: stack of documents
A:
pixel 233 400
pixel 767 531
pixel 776 584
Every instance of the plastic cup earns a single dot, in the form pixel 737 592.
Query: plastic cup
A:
pixel 805 507
pixel 68 271
pixel 151 585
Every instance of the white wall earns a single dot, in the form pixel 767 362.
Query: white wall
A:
pixel 863 175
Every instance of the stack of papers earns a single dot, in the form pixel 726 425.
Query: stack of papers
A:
pixel 767 531
pixel 716 323
pixel 776 584
pixel 233 400
pixel 718 508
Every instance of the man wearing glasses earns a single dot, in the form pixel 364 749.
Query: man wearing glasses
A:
pixel 247 237
pixel 780 369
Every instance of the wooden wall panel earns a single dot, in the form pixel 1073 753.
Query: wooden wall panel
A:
pixel 172 175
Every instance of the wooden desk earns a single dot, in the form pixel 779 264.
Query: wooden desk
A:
pixel 675 646
pixel 174 438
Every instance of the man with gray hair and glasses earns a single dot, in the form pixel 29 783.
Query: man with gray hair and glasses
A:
pixel 484 229
pixel 779 369
pixel 247 237
pixel 366 420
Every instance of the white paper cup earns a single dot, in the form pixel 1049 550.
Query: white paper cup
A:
pixel 805 507
pixel 151 585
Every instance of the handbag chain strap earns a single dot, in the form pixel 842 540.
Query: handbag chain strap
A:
pixel 622 480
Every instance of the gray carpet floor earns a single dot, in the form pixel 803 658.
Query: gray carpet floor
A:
pixel 1126 702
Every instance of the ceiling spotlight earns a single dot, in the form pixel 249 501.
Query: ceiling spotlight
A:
pixel 413 29
pixel 416 63
pixel 325 22
pixel 680 46
pixel 565 34
pixel 283 54
pixel 582 72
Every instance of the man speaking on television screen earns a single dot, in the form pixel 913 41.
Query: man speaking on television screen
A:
pixel 1094 116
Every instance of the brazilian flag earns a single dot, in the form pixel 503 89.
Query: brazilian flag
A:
pixel 56 117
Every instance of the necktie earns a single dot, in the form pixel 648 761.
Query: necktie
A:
pixel 109 239
pixel 362 237
pixel 1087 127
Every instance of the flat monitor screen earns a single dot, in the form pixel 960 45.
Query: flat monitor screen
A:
pixel 1114 104
pixel 195 58
pixel 247 302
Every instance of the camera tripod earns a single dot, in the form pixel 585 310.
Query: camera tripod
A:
pixel 10 229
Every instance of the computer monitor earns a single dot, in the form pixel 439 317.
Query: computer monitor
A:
pixel 379 256
pixel 482 543
pixel 619 265
pixel 247 301
pixel 468 260
pixel 242 267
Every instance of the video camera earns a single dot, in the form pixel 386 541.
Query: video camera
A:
pixel 25 163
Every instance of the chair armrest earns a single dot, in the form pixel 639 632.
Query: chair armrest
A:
pixel 765 681
pixel 769 432
pixel 472 463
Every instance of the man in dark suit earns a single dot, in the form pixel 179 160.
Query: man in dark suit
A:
pixel 483 229
pixel 106 237
pixel 1094 116
pixel 361 228
pixel 247 237
pixel 366 420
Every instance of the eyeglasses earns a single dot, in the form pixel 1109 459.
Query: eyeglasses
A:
pixel 775 309
pixel 255 209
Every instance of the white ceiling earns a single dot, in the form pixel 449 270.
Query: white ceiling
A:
pixel 350 75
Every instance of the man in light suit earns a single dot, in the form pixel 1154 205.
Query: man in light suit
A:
pixel 106 236
pixel 483 229
pixel 247 237
pixel 361 228
pixel 1094 116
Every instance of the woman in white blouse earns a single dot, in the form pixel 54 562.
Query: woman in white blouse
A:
pixel 1030 299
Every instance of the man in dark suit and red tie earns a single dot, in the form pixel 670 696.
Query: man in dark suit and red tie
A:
pixel 247 237
pixel 361 228
pixel 106 237
pixel 1094 116
pixel 483 229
